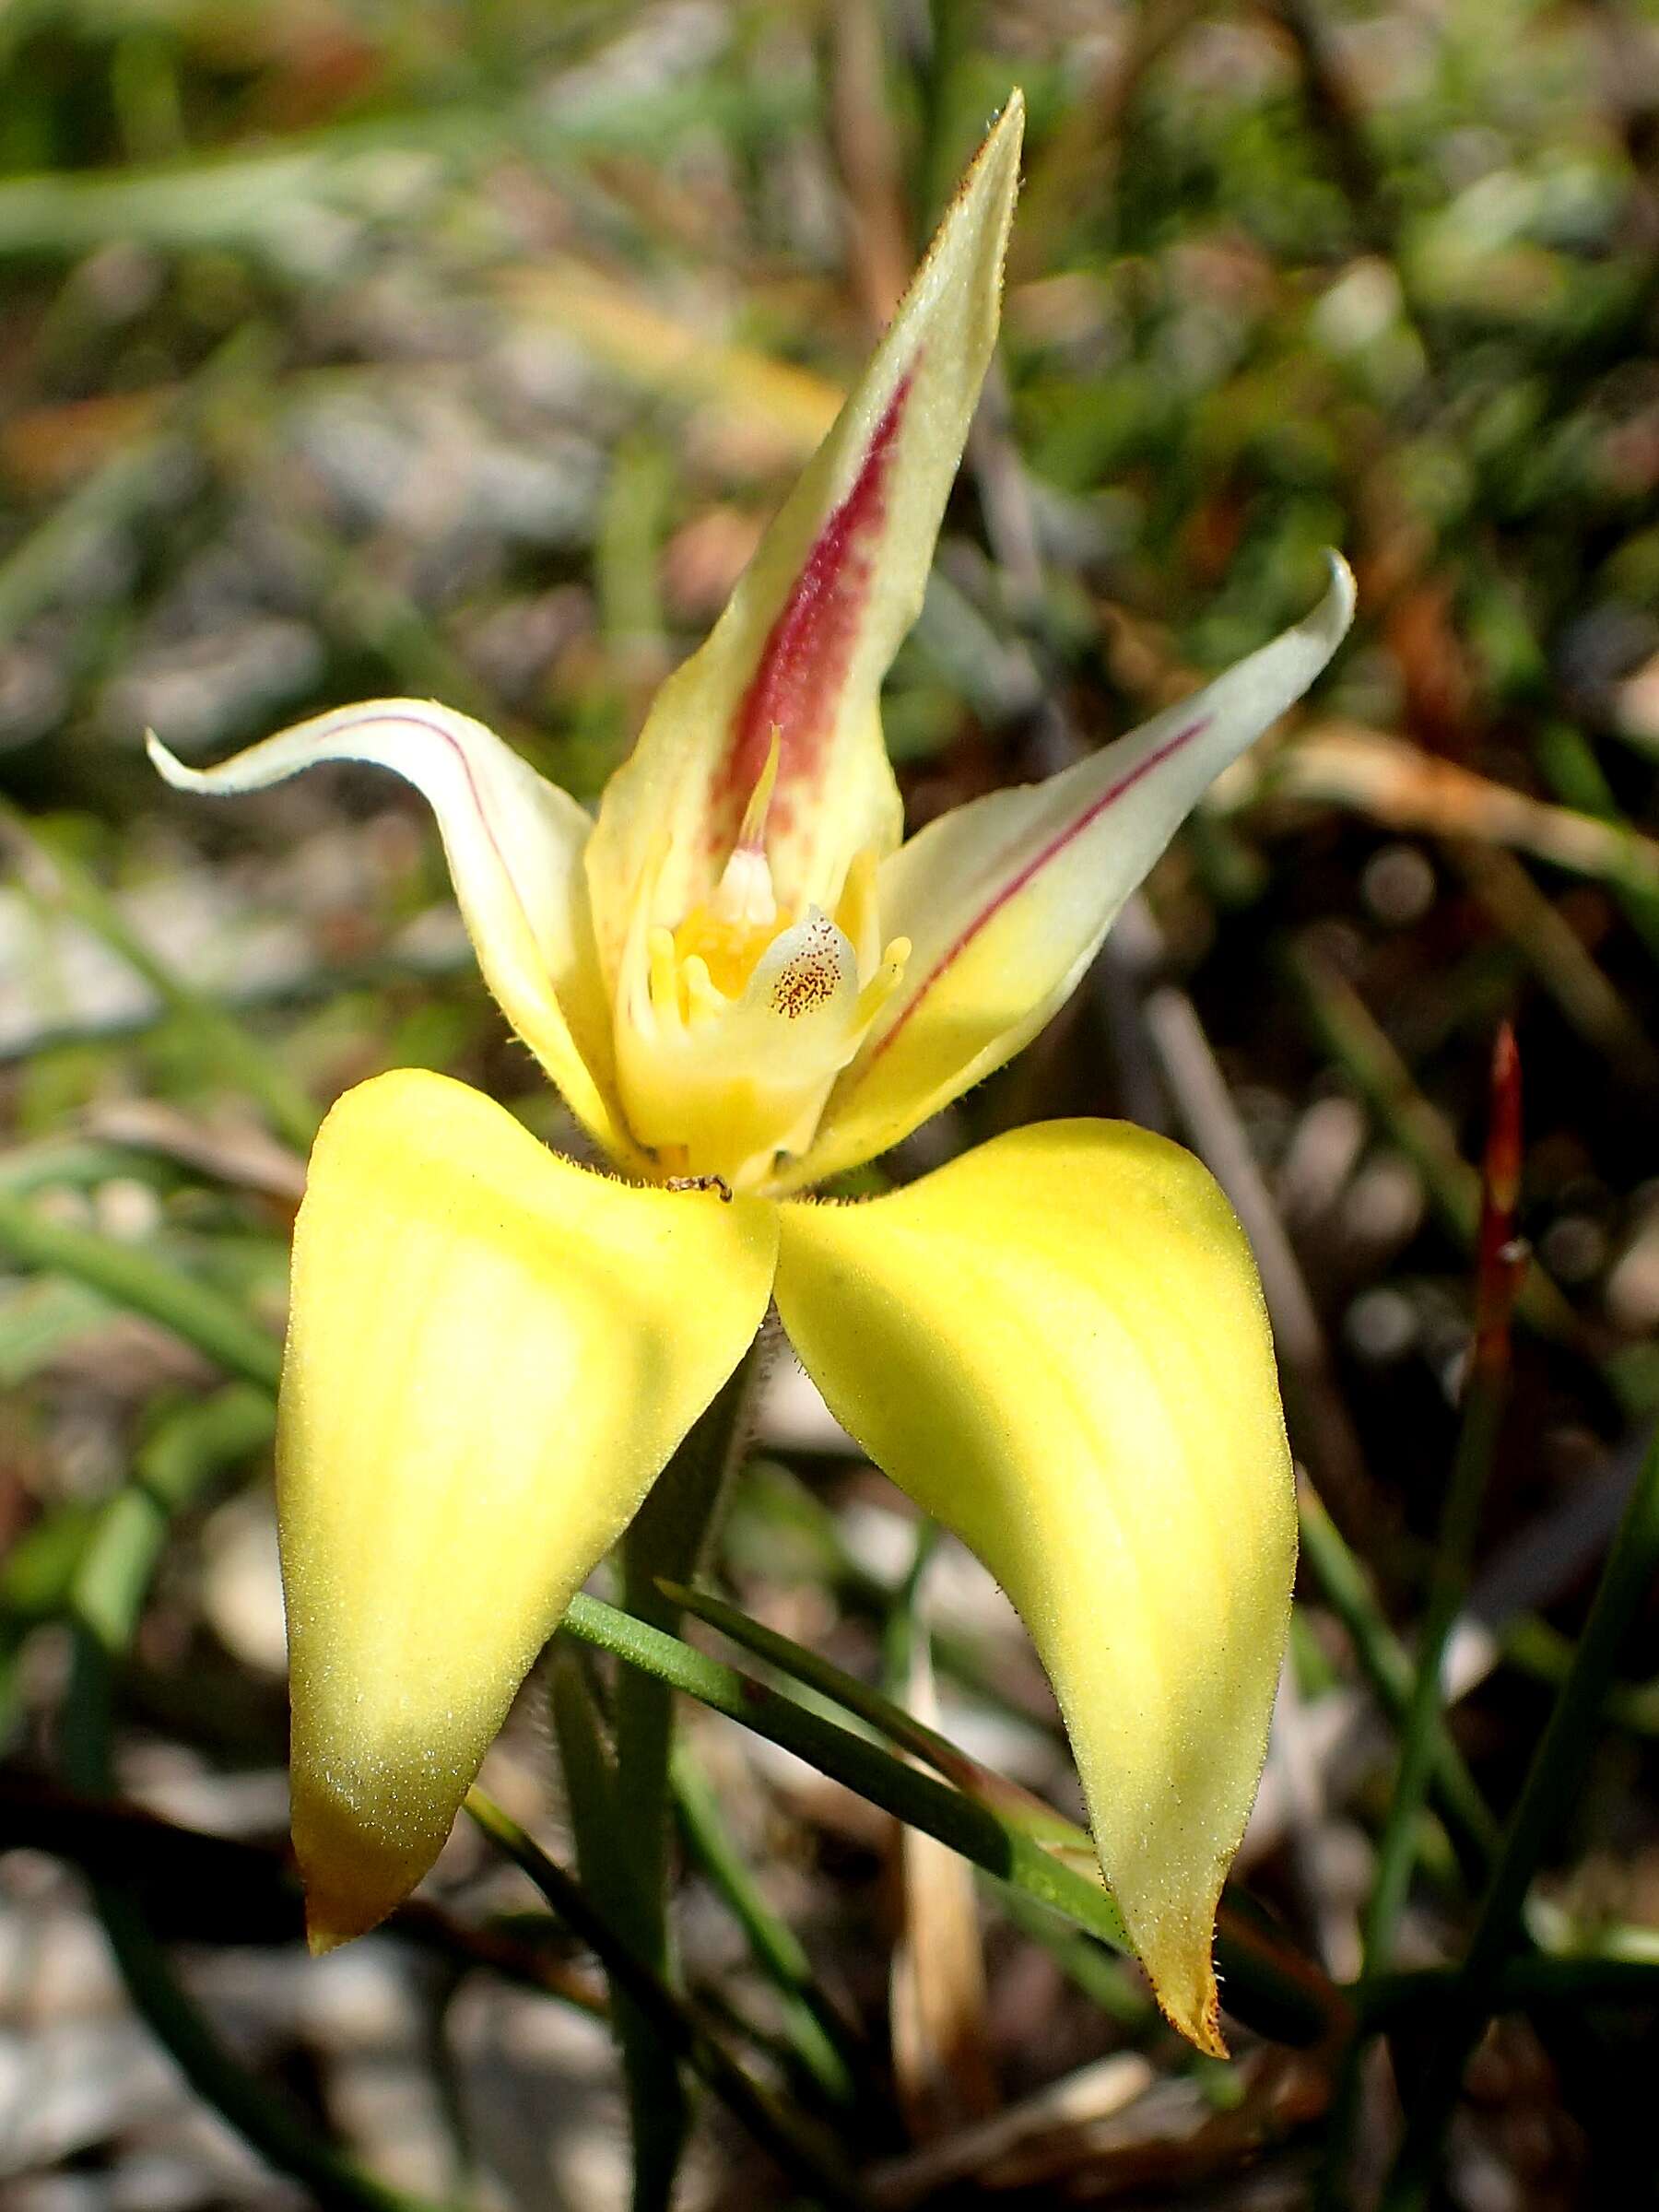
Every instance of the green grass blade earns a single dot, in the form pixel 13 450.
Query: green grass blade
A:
pixel 1285 1997
pixel 1547 1796
pixel 825 2048
pixel 814 2165
pixel 105 1600
pixel 882 1712
pixel 234 1051
pixel 977 1831
pixel 1345 1588
pixel 135 1278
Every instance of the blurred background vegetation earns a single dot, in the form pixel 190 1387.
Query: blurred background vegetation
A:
pixel 462 350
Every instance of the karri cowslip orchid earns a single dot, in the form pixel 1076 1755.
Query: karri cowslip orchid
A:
pixel 1055 1343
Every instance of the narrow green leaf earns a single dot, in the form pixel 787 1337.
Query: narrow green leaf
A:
pixel 105 1600
pixel 824 2047
pixel 236 1054
pixel 1547 1796
pixel 135 1278
pixel 977 1831
pixel 882 1712
pixel 1345 1588
pixel 814 2165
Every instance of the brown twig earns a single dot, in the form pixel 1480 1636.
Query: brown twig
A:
pixel 195 1888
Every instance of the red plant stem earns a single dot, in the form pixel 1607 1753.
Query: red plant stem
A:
pixel 1501 1255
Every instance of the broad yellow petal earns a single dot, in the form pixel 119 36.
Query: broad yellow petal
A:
pixel 1004 902
pixel 515 843
pixel 1057 1345
pixel 491 1354
pixel 808 635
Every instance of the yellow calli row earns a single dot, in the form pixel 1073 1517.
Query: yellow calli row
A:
pixel 743 983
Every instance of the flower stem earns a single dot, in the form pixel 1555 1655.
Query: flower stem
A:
pixel 1498 1277
pixel 613 1880
pixel 667 1540
pixel 666 1543
pixel 1499 1271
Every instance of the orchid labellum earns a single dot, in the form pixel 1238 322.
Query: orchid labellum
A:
pixel 740 970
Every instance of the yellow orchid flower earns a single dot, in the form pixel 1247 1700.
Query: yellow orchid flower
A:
pixel 738 971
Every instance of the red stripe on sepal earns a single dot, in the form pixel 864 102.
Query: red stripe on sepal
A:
pixel 796 686
pixel 1033 867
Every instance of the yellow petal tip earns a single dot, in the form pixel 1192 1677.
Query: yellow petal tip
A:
pixel 320 1939
pixel 1202 2025
pixel 1180 1968
pixel 353 1871
pixel 340 1913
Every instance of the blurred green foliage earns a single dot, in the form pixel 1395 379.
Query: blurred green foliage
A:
pixel 356 346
